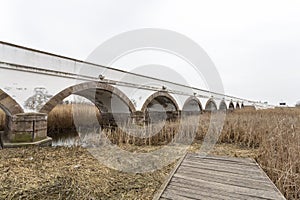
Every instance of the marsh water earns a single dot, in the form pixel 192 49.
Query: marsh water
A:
pixel 73 137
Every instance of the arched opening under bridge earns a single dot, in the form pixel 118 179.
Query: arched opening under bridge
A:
pixel 113 108
pixel 160 106
pixel 191 107
pixel 242 106
pixel 223 106
pixel 231 106
pixel 8 108
pixel 211 106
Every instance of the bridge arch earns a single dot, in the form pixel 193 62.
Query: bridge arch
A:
pixel 231 106
pixel 237 105
pixel 91 91
pixel 9 105
pixel 223 106
pixel 153 111
pixel 211 105
pixel 192 104
pixel 163 98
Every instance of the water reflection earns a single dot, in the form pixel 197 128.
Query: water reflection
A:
pixel 82 138
pixel 66 141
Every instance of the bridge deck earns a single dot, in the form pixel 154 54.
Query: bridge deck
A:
pixel 213 177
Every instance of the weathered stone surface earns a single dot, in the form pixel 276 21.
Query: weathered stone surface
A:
pixel 190 99
pixel 85 86
pixel 159 94
pixel 211 105
pixel 9 104
pixel 138 117
pixel 28 127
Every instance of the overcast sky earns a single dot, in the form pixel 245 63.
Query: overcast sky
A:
pixel 255 44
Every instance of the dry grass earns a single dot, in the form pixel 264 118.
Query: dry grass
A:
pixel 272 137
pixel 276 136
pixel 61 117
pixel 70 173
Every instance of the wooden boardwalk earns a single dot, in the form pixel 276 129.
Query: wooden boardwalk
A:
pixel 213 178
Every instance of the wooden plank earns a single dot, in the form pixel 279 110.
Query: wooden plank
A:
pixel 232 188
pixel 170 194
pixel 205 188
pixel 271 182
pixel 219 164
pixel 159 193
pixel 195 191
pixel 227 172
pixel 227 180
pixel 174 194
pixel 212 173
pixel 222 168
pixel 197 177
pixel 222 158
pixel 229 163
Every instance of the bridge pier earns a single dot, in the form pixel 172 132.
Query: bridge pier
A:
pixel 114 119
pixel 138 117
pixel 27 129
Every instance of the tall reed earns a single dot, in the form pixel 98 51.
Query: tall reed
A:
pixel 61 118
pixel 276 135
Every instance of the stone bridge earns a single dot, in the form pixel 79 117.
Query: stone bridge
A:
pixel 33 82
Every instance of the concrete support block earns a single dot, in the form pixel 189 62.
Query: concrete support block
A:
pixel 27 127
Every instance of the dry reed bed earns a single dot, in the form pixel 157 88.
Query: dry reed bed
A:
pixel 274 136
pixel 70 173
pixel 62 117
